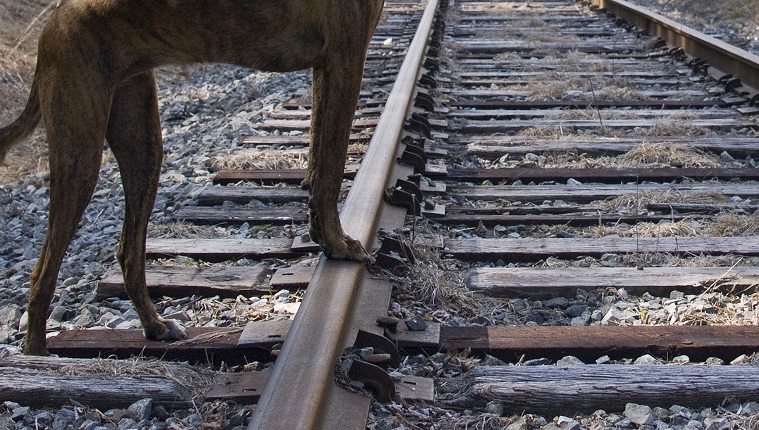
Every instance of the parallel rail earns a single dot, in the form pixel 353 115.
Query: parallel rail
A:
pixel 721 58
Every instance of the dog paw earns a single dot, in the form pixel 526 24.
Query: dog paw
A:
pixel 348 249
pixel 176 330
pixel 167 330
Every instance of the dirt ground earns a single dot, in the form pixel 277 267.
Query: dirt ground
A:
pixel 22 20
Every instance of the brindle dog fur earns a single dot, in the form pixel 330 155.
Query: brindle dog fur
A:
pixel 94 82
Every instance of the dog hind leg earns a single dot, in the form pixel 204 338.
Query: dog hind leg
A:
pixel 134 135
pixel 75 151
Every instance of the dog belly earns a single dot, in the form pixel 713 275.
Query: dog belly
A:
pixel 132 35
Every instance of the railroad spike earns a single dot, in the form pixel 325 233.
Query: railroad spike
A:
pixel 380 344
pixel 419 123
pixel 424 101
pixel 374 378
pixel 398 246
pixel 414 156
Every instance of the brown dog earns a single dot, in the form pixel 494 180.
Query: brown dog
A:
pixel 94 81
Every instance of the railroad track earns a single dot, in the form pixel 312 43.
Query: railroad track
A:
pixel 550 151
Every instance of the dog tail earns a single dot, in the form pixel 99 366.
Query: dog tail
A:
pixel 23 126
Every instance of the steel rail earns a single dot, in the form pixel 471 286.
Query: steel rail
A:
pixel 301 384
pixel 720 56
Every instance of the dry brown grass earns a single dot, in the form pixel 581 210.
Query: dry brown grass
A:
pixel 190 377
pixel 728 224
pixel 431 283
pixel 263 159
pixel 593 114
pixel 638 201
pixel 557 133
pixel 260 159
pixel 508 56
pixel 549 37
pixel 683 228
pixel 703 260
pixel 614 92
pixel 674 127
pixel 553 86
pixel 534 8
pixel 732 224
pixel 436 283
pixel 181 230
pixel 478 422
pixel 676 260
pixel 669 154
pixel 580 161
pixel 529 22
pixel 643 155
pixel 713 307
pixel 545 52
pixel 20 25
pixel 656 259
pixel 573 61
pixel 22 21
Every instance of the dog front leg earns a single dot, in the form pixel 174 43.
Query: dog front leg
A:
pixel 336 86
